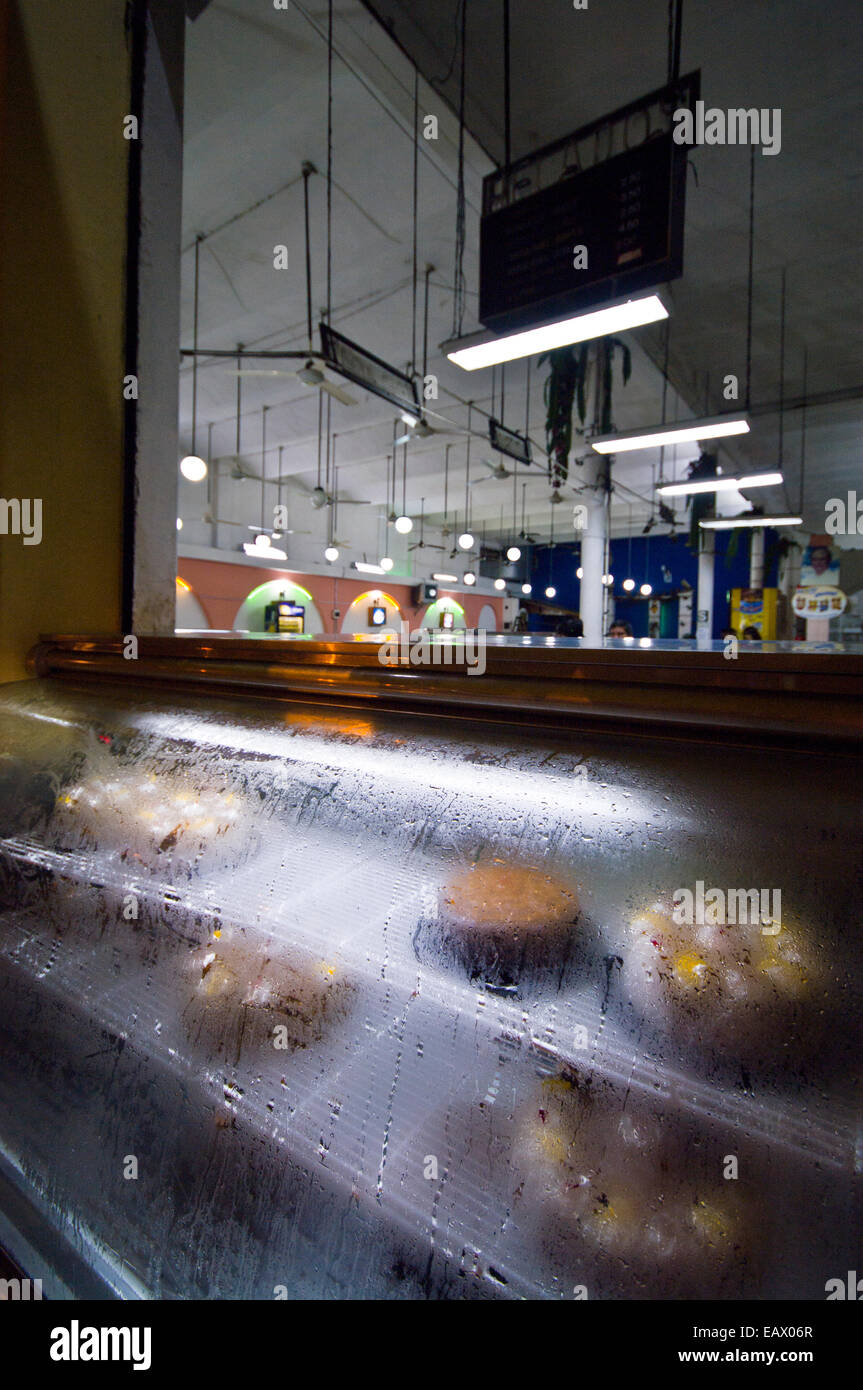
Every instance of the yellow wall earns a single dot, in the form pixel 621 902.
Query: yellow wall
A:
pixel 63 201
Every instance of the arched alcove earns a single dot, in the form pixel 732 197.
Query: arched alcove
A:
pixel 358 616
pixel 189 616
pixel 433 614
pixel 251 613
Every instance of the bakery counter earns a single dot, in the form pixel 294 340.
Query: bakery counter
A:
pixel 354 997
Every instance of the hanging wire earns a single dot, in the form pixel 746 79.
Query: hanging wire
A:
pixel 320 434
pixel 330 162
pixel 446 484
pixel 415 206
pixel 263 465
pixel 308 170
pixel 198 241
pixel 507 94
pixel 239 395
pixel 467 469
pixel 782 370
pixel 803 430
pixel 404 480
pixel 750 276
pixel 675 33
pixel 458 277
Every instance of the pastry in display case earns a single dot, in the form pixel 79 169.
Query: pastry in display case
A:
pixel 502 922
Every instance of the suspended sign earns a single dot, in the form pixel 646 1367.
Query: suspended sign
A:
pixel 594 216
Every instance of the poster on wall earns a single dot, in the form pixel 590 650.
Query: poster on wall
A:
pixel 820 566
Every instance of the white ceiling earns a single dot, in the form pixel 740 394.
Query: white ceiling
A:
pixel 256 106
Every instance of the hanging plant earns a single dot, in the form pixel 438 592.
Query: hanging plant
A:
pixel 565 382
pixel 566 388
pixel 701 504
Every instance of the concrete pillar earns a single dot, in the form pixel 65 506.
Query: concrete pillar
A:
pixel 594 541
pixel 704 601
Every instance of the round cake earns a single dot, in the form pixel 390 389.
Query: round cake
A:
pixel 732 987
pixel 501 922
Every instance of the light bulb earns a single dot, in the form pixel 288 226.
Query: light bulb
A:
pixel 465 540
pixel 629 585
pixel 404 525
pixel 646 590
pixel 551 592
pixel 263 542
pixel 469 578
pixel 579 573
pixel 193 468
pixel 331 553
pixel 513 553
pixel 179 523
pixel 608 580
pixel 527 588
pixel 500 583
pixel 387 563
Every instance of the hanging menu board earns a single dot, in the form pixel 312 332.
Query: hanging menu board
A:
pixel 593 217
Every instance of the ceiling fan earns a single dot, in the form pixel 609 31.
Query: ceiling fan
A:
pixel 223 521
pixel 497 471
pixel 422 543
pixel 421 429
pixel 312 373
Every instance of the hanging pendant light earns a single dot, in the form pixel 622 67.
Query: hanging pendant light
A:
pixel 193 467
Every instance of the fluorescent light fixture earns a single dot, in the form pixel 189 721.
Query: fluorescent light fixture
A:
pixel 489 350
pixel 363 568
pixel 683 432
pixel 404 525
pixel 629 585
pixel 500 583
pixel 331 553
pixel 527 588
pixel 193 468
pixel 513 553
pixel 465 540
pixel 272 553
pixel 728 523
pixel 446 578
pixel 551 592
pixel 722 484
pixel 387 564
pixel 646 590
pixel 469 578
pixel 409 419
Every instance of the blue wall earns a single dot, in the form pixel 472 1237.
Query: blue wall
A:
pixel 558 566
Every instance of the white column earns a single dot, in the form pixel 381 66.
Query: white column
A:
pixel 704 601
pixel 756 559
pixel 593 542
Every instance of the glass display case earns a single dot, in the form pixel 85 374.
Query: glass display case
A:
pixel 320 979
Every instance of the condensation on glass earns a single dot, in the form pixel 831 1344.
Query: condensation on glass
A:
pixel 298 1003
